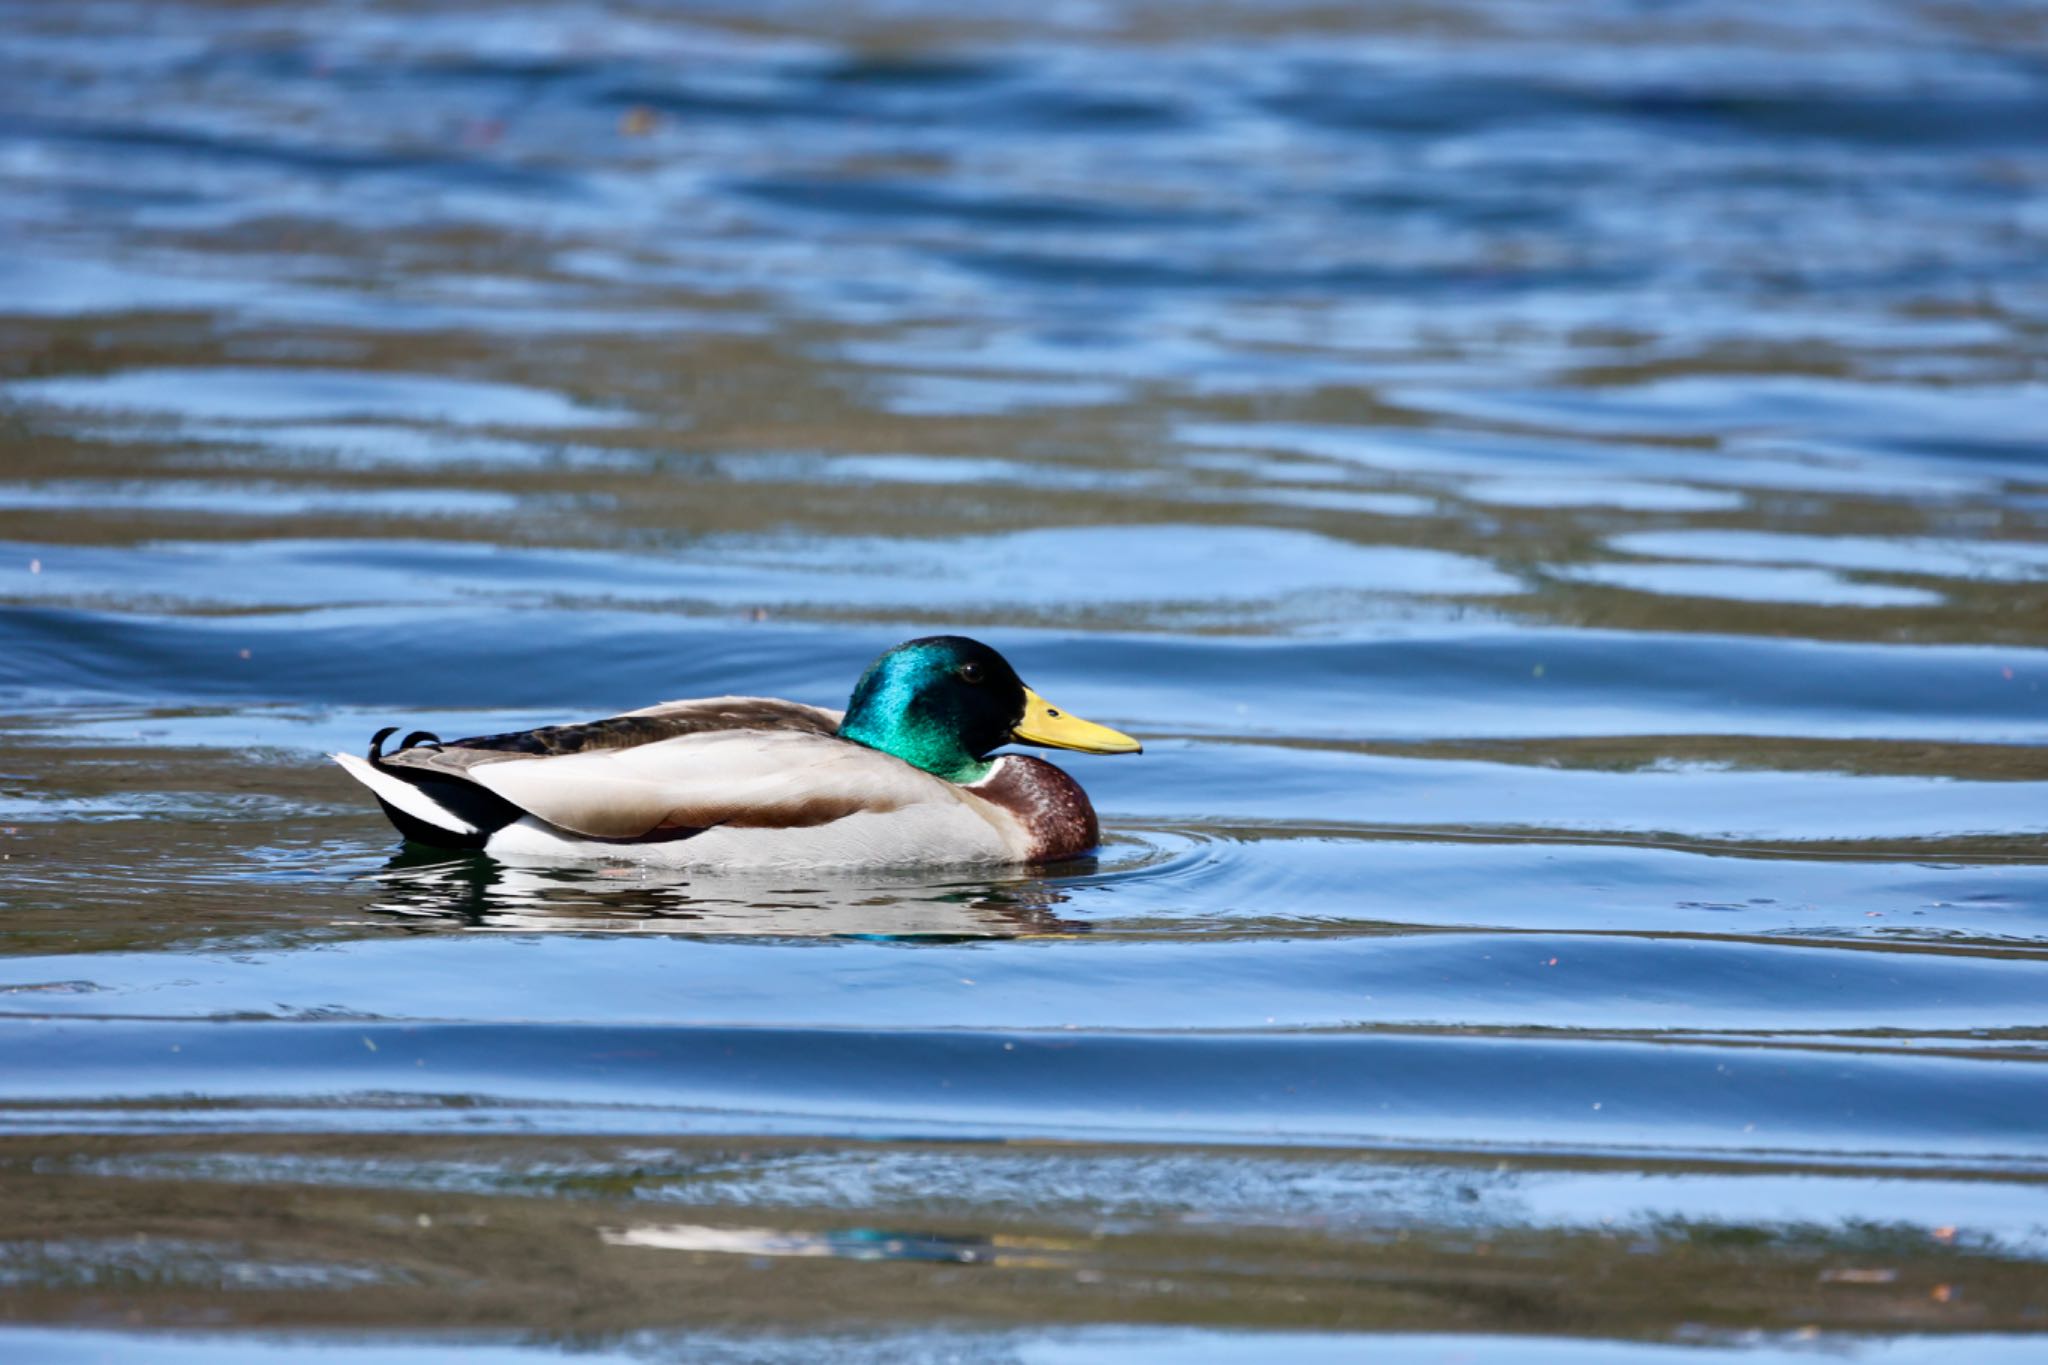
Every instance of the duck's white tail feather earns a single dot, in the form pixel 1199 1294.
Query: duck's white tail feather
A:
pixel 404 795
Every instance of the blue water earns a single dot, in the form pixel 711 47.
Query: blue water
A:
pixel 1559 492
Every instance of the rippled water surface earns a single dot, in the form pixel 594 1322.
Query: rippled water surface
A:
pixel 1559 490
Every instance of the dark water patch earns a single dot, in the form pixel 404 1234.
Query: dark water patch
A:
pixel 1072 270
pixel 924 71
pixel 1649 986
pixel 1977 119
pixel 901 200
pixel 1097 113
pixel 1025 576
pixel 208 150
pixel 1967 110
pixel 1358 98
pixel 1364 1089
pixel 1459 201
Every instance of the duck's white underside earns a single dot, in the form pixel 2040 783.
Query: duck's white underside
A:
pixel 757 794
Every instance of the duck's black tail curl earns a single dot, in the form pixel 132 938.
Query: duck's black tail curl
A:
pixel 481 810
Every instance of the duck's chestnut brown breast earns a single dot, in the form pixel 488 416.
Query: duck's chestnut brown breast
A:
pixel 1050 804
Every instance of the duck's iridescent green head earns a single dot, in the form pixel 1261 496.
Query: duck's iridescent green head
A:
pixel 945 703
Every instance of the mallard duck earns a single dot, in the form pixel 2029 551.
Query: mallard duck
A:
pixel 902 777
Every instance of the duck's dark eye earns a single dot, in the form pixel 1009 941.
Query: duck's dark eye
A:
pixel 970 673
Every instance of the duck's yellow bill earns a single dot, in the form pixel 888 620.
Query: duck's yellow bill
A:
pixel 1046 724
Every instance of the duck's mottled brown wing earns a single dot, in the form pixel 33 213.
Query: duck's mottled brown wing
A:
pixel 649 725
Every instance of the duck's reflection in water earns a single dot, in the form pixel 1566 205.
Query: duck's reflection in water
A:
pixel 433 890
